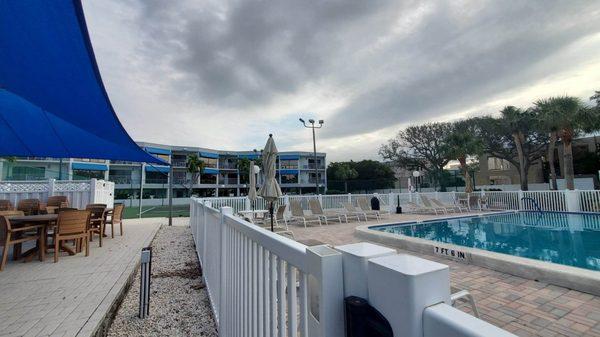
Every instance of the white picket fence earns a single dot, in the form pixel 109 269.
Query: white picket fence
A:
pixel 564 201
pixel 263 284
pixel 79 192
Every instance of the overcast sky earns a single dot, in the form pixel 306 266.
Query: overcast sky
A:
pixel 224 74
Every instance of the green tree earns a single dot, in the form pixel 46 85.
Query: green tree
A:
pixel 342 172
pixel 463 143
pixel 568 117
pixel 420 147
pixel 194 166
pixel 499 138
pixel 243 166
pixel 545 110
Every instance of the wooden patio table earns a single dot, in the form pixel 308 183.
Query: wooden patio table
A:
pixel 48 220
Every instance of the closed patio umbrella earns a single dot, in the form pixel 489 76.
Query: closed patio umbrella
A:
pixel 252 185
pixel 270 189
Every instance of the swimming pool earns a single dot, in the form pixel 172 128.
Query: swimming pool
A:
pixel 571 239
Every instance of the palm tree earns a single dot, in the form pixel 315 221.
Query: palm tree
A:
pixel 195 166
pixel 568 116
pixel 518 122
pixel 545 110
pixel 463 143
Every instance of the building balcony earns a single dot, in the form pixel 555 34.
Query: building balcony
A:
pixel 312 167
pixel 179 163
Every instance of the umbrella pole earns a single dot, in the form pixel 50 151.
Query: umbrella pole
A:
pixel 271 211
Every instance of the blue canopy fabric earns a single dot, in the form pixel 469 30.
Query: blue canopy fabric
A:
pixel 52 99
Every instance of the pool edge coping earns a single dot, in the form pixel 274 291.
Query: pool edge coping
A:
pixel 575 278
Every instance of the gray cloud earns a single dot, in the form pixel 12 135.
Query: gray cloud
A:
pixel 388 62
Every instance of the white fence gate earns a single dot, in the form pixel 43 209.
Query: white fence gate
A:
pixel 263 284
pixel 79 192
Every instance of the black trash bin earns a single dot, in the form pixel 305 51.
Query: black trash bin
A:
pixel 375 204
pixel 362 320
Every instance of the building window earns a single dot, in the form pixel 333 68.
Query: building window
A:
pixel 289 164
pixel 87 174
pixel 164 157
pixel 498 164
pixel 209 162
pixel 208 179
pixel 156 178
pixel 28 173
pixel 289 178
pixel 120 176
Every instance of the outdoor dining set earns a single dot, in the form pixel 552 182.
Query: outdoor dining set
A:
pixel 53 226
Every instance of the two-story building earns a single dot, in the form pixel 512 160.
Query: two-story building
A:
pixel 220 177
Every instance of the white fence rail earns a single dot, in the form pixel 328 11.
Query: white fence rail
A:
pixel 263 284
pixel 79 192
pixel 559 201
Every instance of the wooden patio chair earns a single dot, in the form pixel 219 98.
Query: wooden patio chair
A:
pixel 29 206
pixel 116 217
pixel 72 225
pixel 54 203
pixel 97 220
pixel 15 235
pixel 6 205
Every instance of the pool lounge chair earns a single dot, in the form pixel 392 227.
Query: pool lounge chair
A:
pixel 353 210
pixel 316 209
pixel 280 215
pixel 429 204
pixel 299 215
pixel 364 205
pixel 418 209
pixel 453 207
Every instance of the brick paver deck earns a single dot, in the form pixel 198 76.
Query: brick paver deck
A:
pixel 523 307
pixel 71 297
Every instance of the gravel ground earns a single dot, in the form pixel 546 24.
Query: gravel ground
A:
pixel 179 304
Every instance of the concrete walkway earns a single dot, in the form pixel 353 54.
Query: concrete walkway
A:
pixel 74 296
pixel 521 306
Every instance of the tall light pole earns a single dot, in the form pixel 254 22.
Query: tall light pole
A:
pixel 313 127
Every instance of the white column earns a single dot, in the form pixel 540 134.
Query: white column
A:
pixel 355 259
pixel 402 286
pixel 521 196
pixel 572 200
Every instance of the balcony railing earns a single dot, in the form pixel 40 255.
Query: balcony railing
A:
pixel 179 163
pixel 156 181
pixel 123 180
pixel 312 167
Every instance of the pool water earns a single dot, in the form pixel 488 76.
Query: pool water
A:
pixel 571 239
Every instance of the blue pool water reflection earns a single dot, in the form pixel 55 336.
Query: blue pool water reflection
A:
pixel 571 239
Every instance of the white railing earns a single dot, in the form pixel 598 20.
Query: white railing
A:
pixel 561 201
pixel 264 284
pixel 79 192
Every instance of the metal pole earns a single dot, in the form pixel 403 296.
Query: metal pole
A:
pixel 315 155
pixel 171 196
pixel 141 189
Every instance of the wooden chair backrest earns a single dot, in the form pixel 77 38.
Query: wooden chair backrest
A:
pixel 5 225
pixel 315 207
pixel 57 200
pixel 6 205
pixel 29 206
pixel 118 212
pixel 72 222
pixel 96 211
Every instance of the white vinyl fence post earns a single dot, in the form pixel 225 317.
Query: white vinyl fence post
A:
pixel 92 191
pixel 414 289
pixel 521 203
pixel 247 205
pixel 355 260
pixel 327 294
pixel 51 187
pixel 223 270
pixel 349 198
pixel 572 199
pixel 207 204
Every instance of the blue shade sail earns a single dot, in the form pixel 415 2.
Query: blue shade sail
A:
pixel 52 99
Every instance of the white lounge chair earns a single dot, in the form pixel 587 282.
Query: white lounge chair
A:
pixel 364 205
pixel 316 209
pixel 350 209
pixel 453 207
pixel 429 204
pixel 417 208
pixel 299 215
